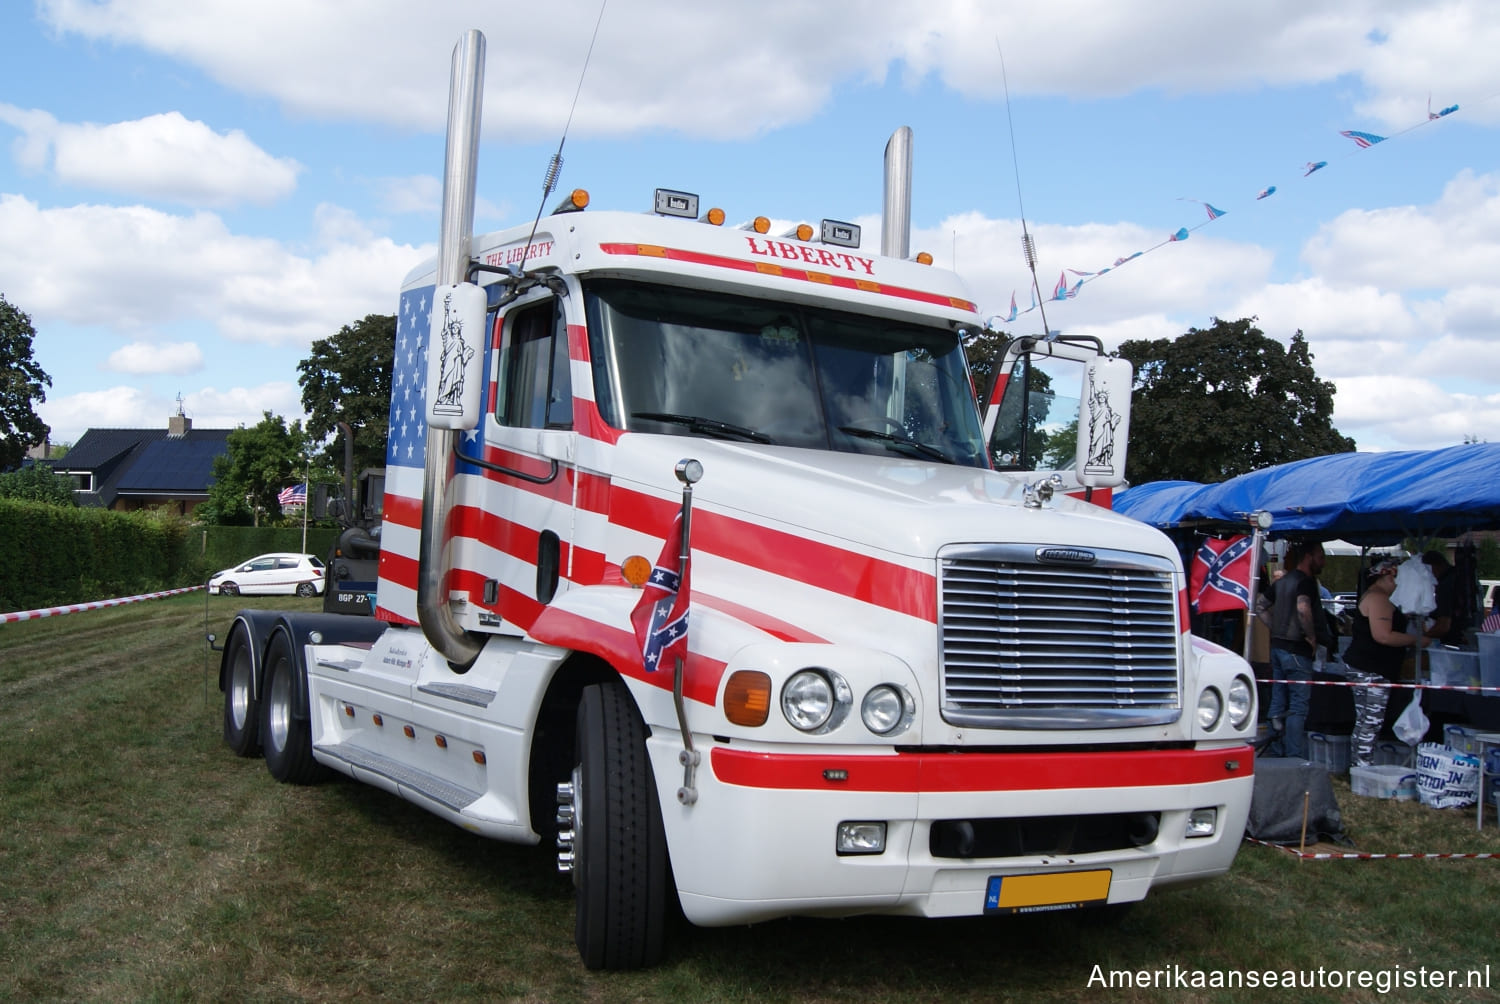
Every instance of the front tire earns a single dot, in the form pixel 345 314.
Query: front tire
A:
pixel 229 589
pixel 621 874
pixel 286 739
pixel 241 709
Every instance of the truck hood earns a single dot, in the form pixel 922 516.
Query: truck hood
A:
pixel 904 507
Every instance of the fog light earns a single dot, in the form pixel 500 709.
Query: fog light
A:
pixel 1210 707
pixel 1202 823
pixel 861 838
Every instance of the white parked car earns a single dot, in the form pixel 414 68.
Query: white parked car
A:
pixel 271 573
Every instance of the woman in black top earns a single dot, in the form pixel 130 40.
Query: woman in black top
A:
pixel 1375 654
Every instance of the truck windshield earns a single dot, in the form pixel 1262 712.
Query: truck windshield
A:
pixel 691 362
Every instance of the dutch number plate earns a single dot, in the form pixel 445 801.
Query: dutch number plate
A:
pixel 1038 893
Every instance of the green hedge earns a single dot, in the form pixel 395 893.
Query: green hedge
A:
pixel 53 555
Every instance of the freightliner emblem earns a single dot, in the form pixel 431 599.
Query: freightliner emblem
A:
pixel 1066 555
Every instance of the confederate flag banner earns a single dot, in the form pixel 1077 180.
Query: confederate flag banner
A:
pixel 660 616
pixel 1220 577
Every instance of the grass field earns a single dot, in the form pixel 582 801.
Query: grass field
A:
pixel 140 860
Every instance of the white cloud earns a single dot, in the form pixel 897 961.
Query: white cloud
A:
pixel 127 407
pixel 739 69
pixel 148 358
pixel 162 156
pixel 131 268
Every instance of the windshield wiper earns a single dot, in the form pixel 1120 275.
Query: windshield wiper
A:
pixel 892 439
pixel 708 426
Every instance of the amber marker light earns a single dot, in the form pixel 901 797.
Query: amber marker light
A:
pixel 442 742
pixel 747 697
pixel 479 757
pixel 349 710
pixel 923 258
pixel 714 216
pixel 761 225
pixel 409 732
pixel 377 720
pixel 635 570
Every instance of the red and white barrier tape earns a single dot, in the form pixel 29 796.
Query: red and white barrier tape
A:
pixel 73 608
pixel 1404 686
pixel 1361 856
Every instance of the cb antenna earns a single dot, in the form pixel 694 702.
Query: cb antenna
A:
pixel 1028 246
pixel 554 167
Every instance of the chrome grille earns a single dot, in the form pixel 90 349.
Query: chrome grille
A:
pixel 1028 644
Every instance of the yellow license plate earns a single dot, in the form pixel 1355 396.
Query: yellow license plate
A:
pixel 1038 893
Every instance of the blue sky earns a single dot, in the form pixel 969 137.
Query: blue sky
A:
pixel 191 194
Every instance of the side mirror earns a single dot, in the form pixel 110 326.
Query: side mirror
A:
pixel 455 356
pixel 1104 422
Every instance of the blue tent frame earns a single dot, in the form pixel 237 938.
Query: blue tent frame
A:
pixel 1371 499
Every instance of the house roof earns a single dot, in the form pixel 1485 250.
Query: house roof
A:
pixel 144 462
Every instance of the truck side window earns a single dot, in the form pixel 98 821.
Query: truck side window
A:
pixel 536 389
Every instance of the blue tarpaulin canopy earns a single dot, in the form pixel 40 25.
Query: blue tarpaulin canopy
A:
pixel 1365 498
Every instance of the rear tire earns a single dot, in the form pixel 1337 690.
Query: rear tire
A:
pixel 306 589
pixel 286 739
pixel 241 709
pixel 621 874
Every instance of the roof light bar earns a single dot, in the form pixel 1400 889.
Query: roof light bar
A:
pixel 670 203
pixel 839 234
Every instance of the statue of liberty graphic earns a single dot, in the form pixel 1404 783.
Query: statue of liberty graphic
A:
pixel 456 354
pixel 1103 420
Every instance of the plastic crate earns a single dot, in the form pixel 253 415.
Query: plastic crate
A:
pixel 1390 753
pixel 1329 752
pixel 1453 667
pixel 1385 781
pixel 1489 661
pixel 1460 739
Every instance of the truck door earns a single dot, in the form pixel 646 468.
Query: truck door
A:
pixel 525 456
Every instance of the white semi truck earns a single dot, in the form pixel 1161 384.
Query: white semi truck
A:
pixel 911 683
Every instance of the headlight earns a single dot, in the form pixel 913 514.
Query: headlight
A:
pixel 1210 707
pixel 1241 701
pixel 814 700
pixel 887 709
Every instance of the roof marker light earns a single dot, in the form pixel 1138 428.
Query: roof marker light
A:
pixel 714 216
pixel 802 231
pixel 673 203
pixel 840 234
pixel 923 258
pixel 573 202
pixel 760 225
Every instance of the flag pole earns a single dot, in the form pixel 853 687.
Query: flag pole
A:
pixel 688 472
pixel 306 490
pixel 1260 522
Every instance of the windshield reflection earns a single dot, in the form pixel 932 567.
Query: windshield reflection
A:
pixel 690 362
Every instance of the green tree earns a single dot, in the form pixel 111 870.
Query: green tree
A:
pixel 1221 401
pixel 347 378
pixel 985 349
pixel 22 382
pixel 37 483
pixel 261 461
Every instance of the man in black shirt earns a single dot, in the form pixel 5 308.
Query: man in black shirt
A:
pixel 1297 627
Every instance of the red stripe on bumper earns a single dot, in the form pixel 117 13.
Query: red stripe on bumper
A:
pixel 917 772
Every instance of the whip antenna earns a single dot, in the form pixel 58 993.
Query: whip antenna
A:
pixel 554 167
pixel 1028 246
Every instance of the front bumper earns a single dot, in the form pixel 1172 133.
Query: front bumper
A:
pixel 760 841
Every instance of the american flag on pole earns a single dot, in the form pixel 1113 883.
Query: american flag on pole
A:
pixel 295 495
pixel 1220 577
pixel 660 616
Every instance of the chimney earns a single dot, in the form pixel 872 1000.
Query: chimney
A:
pixel 179 425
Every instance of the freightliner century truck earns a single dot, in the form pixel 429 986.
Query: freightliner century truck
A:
pixel 914 682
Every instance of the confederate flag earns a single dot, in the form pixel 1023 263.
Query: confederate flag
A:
pixel 1220 578
pixel 660 616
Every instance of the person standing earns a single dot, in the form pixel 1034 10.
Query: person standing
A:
pixel 1380 638
pixel 1297 627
